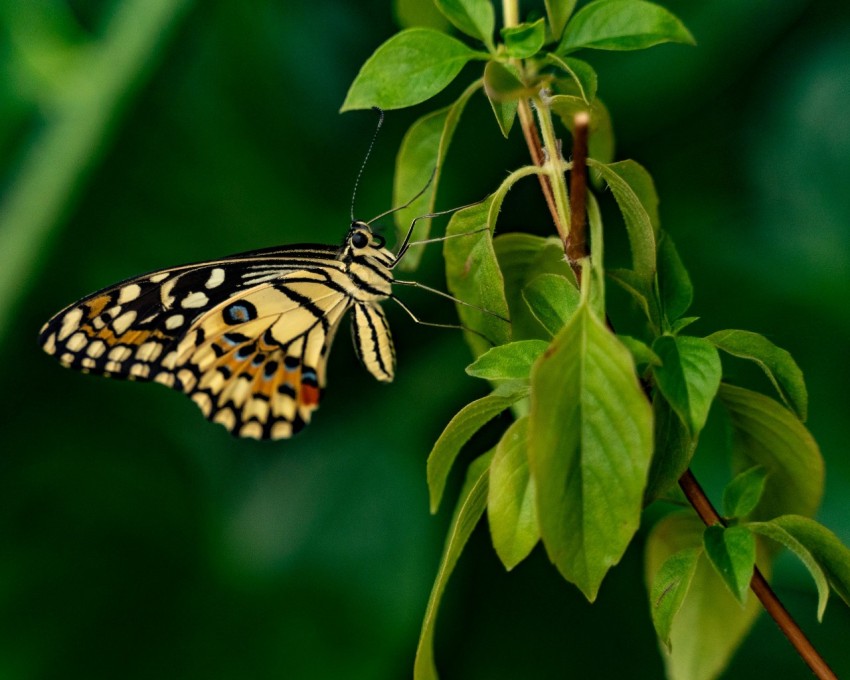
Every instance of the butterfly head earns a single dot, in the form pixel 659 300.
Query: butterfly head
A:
pixel 362 242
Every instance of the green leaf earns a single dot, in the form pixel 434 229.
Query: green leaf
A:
pixel 601 140
pixel 552 299
pixel 581 72
pixel 415 13
pixel 622 25
pixel 511 506
pixel 420 156
pixel 688 377
pixel 767 434
pixel 674 283
pixel 476 18
pixel 524 40
pixel 522 257
pixel 642 354
pixel 638 288
pixel 458 432
pixel 595 282
pixel 674 448
pixel 503 88
pixel 669 588
pixel 710 623
pixel 831 555
pixel 407 69
pixel 775 530
pixel 512 361
pixel 473 275
pixel 777 364
pixel 680 324
pixel 732 551
pixel 590 442
pixel 469 508
pixel 743 493
pixel 558 12
pixel 638 203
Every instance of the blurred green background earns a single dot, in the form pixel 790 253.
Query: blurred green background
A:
pixel 138 541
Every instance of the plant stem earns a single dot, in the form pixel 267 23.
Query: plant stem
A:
pixel 577 248
pixel 693 491
pixel 759 585
pixel 556 169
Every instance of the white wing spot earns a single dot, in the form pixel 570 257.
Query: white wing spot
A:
pixel 140 370
pixel 165 293
pixel 96 349
pixel 50 344
pixel 119 354
pixel 216 278
pixel 70 323
pixel 149 351
pixel 166 379
pixel 156 278
pixel 174 321
pixel 129 293
pixel 76 342
pixel 122 324
pixel 194 300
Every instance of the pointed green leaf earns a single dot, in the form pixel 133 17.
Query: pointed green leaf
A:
pixel 638 204
pixel 511 505
pixel 581 72
pixel 524 40
pixel 512 361
pixel 469 508
pixel 476 18
pixel 601 140
pixel 407 69
pixel 674 448
pixel 732 551
pixel 832 556
pixel 743 493
pixel 504 89
pixel 710 623
pixel 459 431
pixel 558 11
pixel 680 324
pixel 688 377
pixel 552 299
pixel 775 531
pixel 590 441
pixel 419 161
pixel 473 275
pixel 622 25
pixel 674 283
pixel 595 281
pixel 777 364
pixel 669 588
pixel 522 257
pixel 767 434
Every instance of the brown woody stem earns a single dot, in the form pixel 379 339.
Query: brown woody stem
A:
pixel 759 585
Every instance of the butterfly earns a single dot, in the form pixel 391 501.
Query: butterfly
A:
pixel 246 337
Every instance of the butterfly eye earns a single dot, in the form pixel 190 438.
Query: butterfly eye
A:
pixel 359 239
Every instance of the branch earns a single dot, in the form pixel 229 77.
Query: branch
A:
pixel 759 585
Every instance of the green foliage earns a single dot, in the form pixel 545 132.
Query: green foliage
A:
pixel 611 422
pixel 588 416
pixel 622 25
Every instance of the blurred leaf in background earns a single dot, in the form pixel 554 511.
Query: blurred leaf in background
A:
pixel 138 541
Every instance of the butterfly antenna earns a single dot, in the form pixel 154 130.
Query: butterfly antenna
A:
pixel 410 202
pixel 380 113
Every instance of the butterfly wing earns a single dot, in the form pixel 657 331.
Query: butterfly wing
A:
pixel 270 314
pixel 372 340
pixel 257 363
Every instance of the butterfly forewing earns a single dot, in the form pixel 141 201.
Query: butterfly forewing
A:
pixel 246 337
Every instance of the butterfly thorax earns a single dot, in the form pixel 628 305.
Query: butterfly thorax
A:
pixel 367 264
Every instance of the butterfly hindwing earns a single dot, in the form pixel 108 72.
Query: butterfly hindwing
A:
pixel 256 363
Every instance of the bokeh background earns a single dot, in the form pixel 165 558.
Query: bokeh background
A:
pixel 138 541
